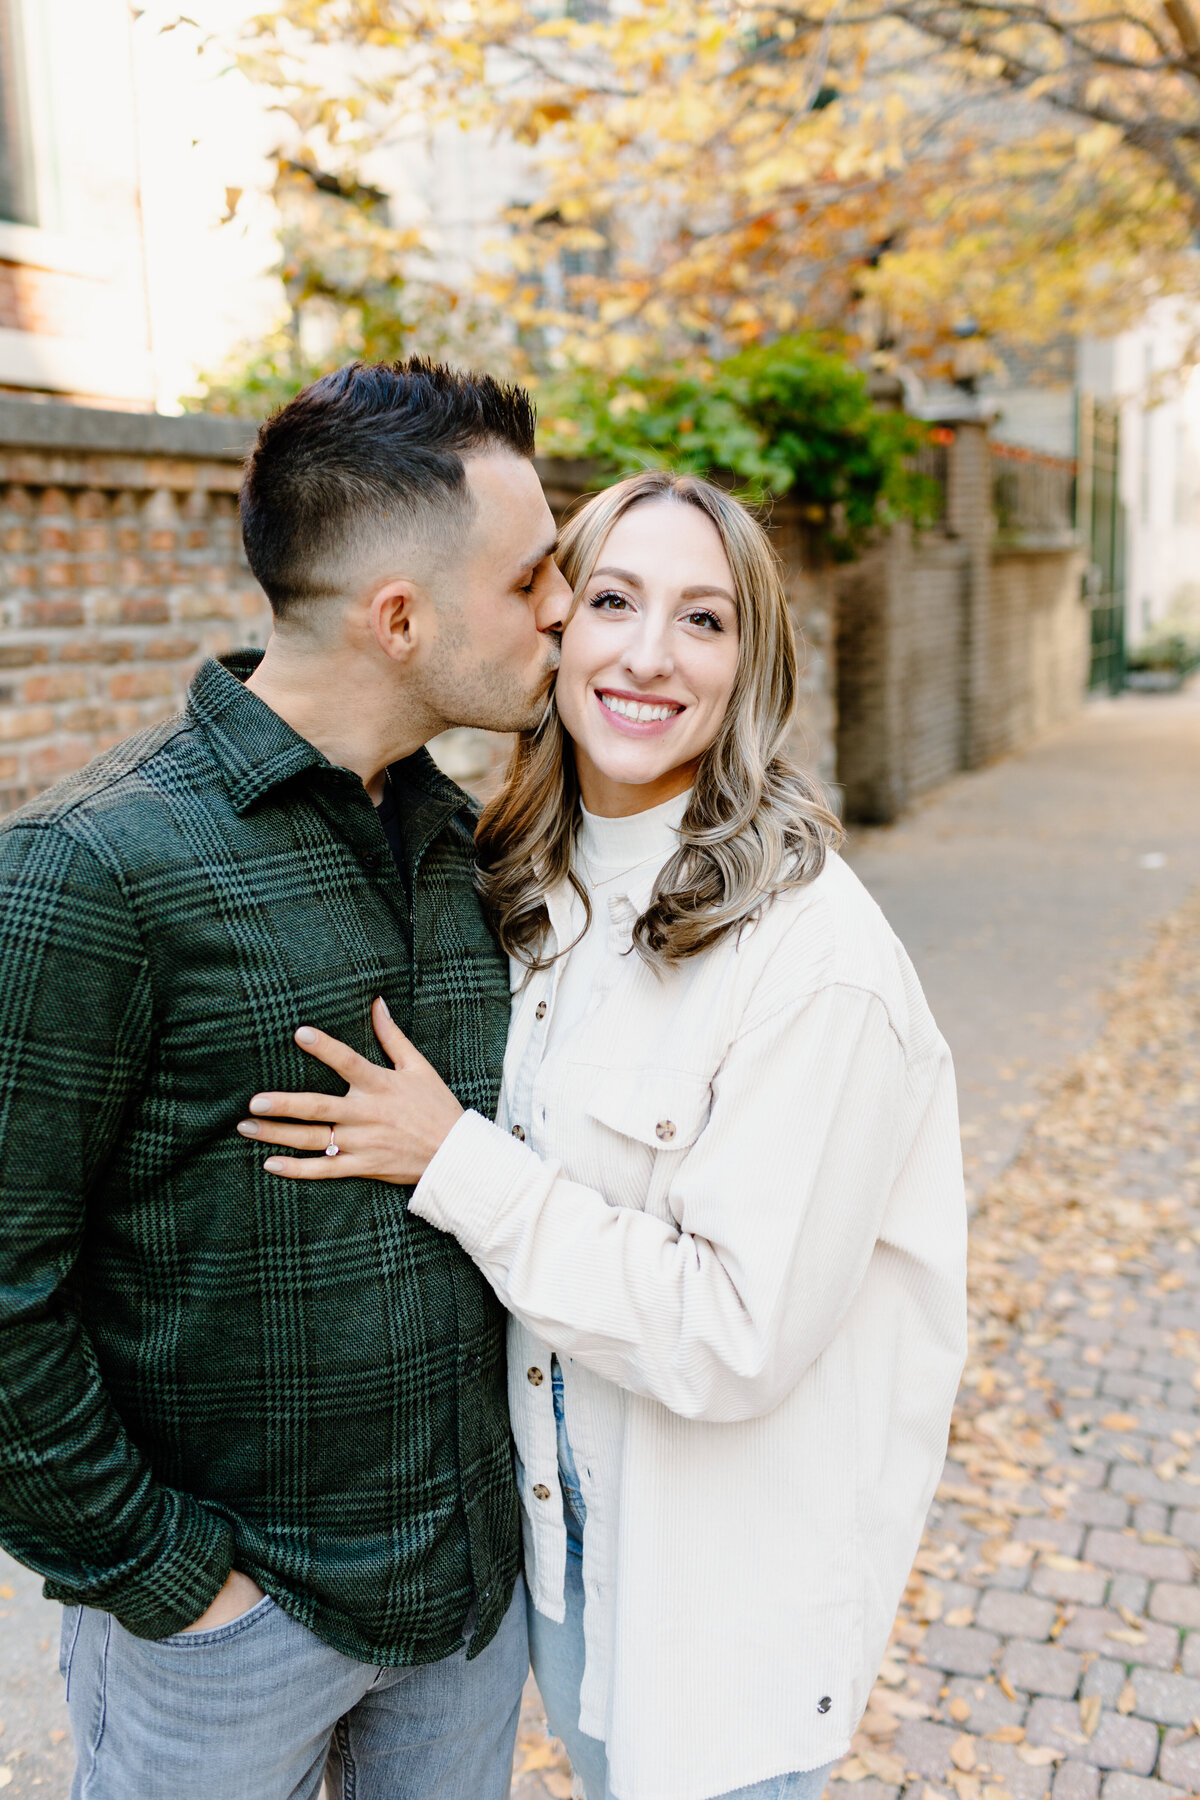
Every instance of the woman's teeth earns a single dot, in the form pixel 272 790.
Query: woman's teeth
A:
pixel 638 711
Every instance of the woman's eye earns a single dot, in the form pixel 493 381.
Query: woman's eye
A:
pixel 705 618
pixel 611 602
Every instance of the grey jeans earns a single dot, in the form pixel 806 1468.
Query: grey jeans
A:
pixel 261 1709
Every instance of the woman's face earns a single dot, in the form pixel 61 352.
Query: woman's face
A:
pixel 649 658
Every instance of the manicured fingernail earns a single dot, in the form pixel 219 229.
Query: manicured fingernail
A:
pixel 274 1165
pixel 260 1103
pixel 306 1035
pixel 386 1010
pixel 248 1128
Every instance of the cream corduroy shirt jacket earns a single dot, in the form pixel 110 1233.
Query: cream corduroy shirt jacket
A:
pixel 735 1212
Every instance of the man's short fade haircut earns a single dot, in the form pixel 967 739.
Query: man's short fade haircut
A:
pixel 370 452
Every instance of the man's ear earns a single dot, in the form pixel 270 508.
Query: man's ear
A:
pixel 395 618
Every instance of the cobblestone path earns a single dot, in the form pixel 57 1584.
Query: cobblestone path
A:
pixel 1050 1637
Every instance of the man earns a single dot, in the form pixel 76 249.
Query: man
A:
pixel 254 1432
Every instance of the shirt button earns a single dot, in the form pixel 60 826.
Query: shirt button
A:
pixel 534 1377
pixel 665 1130
pixel 823 1704
pixel 518 1131
pixel 541 1491
pixel 540 1010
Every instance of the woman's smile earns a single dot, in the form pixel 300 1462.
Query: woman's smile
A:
pixel 638 715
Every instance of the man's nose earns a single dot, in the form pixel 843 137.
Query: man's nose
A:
pixel 555 603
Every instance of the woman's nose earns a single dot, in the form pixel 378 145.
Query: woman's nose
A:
pixel 648 653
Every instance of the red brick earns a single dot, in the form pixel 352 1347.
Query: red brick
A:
pixel 55 760
pixel 63 686
pixel 141 684
pixel 94 717
pixel 170 649
pixel 21 656
pixel 51 615
pixel 160 540
pixel 59 575
pixel 96 649
pixel 34 721
pixel 53 502
pixel 91 504
pixel 53 537
pixel 153 610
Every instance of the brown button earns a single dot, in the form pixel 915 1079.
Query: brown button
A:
pixel 518 1131
pixel 540 1010
pixel 665 1130
pixel 534 1377
pixel 541 1492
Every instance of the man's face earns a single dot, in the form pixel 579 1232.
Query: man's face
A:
pixel 499 605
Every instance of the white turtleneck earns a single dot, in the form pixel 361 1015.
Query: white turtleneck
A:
pixel 612 856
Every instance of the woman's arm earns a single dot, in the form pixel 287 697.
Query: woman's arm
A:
pixel 780 1202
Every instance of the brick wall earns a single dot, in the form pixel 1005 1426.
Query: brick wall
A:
pixel 120 569
pixel 955 648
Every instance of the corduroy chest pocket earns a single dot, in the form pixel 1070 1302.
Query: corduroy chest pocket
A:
pixel 659 1108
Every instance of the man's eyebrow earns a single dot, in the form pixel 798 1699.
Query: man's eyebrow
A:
pixel 539 556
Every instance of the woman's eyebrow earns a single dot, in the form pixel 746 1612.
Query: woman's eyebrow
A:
pixel 625 575
pixel 701 592
pixel 704 591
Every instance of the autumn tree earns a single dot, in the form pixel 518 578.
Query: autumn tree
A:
pixel 709 173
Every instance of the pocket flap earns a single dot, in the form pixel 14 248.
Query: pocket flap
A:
pixel 657 1107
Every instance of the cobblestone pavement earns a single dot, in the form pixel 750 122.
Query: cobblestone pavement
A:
pixel 1050 1637
pixel 1018 891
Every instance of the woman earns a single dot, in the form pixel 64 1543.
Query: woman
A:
pixel 723 1197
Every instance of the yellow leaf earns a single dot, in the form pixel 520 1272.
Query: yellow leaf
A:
pixel 1127 1698
pixel 962 1753
pixel 1127 1637
pixel 961 1615
pixel 1119 1421
pixel 1039 1755
pixel 6 1775
pixel 883 1767
pixel 1089 1714
pixel 967 1787
pixel 853 1769
pixel 959 1709
pixel 1007 1688
pixel 1007 1734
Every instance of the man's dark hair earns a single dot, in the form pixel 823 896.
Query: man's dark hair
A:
pixel 372 449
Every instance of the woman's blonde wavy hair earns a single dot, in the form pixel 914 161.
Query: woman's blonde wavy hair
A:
pixel 755 824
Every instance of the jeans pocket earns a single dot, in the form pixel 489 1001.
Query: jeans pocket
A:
pixel 219 1634
pixel 66 1642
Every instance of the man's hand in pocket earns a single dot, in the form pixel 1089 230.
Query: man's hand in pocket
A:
pixel 237 1596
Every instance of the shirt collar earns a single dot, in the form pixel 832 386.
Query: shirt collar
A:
pixel 256 751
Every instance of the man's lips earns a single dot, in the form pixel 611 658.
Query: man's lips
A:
pixel 638 715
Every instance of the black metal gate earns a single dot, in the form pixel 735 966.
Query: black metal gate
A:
pixel 1102 525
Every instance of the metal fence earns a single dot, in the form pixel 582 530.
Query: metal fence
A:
pixel 1033 494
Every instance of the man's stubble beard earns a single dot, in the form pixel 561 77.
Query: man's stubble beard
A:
pixel 487 695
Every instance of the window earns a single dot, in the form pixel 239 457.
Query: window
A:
pixel 16 172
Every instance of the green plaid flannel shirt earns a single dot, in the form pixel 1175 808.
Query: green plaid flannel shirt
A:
pixel 204 1366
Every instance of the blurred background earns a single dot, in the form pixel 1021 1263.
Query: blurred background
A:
pixel 921 279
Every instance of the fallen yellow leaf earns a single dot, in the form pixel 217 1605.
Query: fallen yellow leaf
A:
pixel 1119 1421
pixel 883 1767
pixel 1007 1734
pixel 1127 1637
pixel 1007 1688
pixel 962 1753
pixel 1127 1698
pixel 961 1615
pixel 1089 1714
pixel 853 1769
pixel 1039 1755
pixel 959 1709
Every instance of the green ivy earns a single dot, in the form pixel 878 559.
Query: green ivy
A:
pixel 782 418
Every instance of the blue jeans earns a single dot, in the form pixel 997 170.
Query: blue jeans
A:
pixel 557 1653
pixel 261 1709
